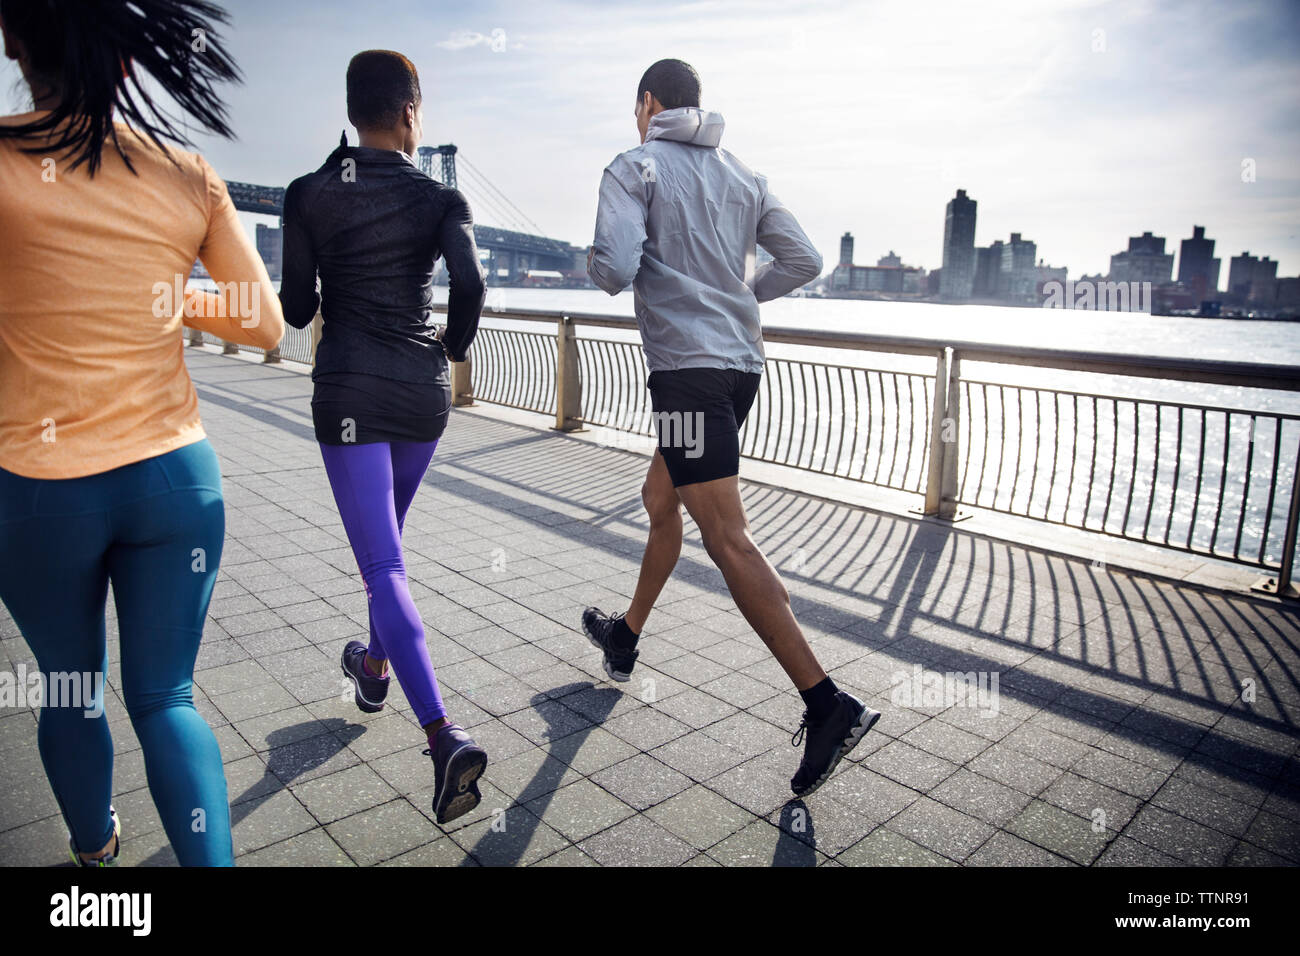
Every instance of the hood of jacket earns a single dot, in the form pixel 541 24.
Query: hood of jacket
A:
pixel 687 124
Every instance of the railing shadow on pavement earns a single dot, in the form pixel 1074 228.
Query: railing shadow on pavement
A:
pixel 289 757
pixel 866 572
pixel 506 847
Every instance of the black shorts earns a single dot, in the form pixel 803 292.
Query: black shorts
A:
pixel 356 408
pixel 697 415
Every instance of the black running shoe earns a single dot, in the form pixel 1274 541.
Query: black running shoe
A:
pixel 829 740
pixel 371 691
pixel 599 628
pixel 458 762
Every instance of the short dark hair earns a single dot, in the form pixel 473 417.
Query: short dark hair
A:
pixel 380 84
pixel 674 83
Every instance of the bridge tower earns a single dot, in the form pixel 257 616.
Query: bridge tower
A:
pixel 448 152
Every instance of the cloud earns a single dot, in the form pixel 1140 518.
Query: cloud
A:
pixel 465 39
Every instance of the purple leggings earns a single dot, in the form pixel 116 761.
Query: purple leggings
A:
pixel 373 487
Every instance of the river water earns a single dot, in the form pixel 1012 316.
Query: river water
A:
pixel 1181 462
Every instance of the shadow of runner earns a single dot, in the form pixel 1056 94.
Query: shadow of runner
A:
pixel 291 755
pixel 506 847
pixel 795 845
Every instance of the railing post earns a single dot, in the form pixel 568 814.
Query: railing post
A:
pixel 568 384
pixel 230 348
pixel 196 338
pixel 272 356
pixel 949 432
pixel 934 479
pixel 462 382
pixel 1281 585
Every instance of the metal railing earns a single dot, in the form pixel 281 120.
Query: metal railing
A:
pixel 1203 479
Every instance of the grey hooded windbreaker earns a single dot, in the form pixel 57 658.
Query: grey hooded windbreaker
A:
pixel 679 218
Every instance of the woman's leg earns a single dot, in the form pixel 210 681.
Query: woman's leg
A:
pixel 54 582
pixel 163 564
pixel 410 462
pixel 363 480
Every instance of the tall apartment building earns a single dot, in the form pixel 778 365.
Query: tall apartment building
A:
pixel 1197 267
pixel 988 266
pixel 1252 280
pixel 1018 277
pixel 958 272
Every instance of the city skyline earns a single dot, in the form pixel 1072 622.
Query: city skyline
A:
pixel 1077 125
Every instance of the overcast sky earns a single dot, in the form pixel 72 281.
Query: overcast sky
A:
pixel 1077 124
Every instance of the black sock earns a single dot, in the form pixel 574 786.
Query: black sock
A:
pixel 622 635
pixel 820 699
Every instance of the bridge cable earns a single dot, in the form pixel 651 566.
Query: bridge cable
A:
pixel 537 230
pixel 481 203
pixel 480 195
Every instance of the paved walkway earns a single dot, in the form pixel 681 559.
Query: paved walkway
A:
pixel 1118 734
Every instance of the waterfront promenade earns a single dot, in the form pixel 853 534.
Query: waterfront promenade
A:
pixel 1120 734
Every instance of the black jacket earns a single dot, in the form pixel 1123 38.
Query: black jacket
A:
pixel 373 232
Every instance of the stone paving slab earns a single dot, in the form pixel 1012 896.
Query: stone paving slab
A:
pixel 1135 720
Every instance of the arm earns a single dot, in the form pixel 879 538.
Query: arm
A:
pixel 795 261
pixel 249 313
pixel 465 286
pixel 298 295
pixel 620 227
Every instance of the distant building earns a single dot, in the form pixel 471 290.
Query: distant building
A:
pixel 270 247
pixel 988 265
pixel 1198 270
pixel 888 276
pixel 1288 298
pixel 1144 261
pixel 1044 273
pixel 958 274
pixel 1018 277
pixel 1252 281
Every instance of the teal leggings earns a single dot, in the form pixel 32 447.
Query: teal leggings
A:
pixel 154 529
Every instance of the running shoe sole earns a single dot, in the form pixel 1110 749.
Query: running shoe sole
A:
pixel 615 675
pixel 865 722
pixel 463 770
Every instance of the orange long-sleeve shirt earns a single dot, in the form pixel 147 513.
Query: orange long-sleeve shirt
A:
pixel 92 369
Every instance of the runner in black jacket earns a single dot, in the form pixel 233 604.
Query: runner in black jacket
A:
pixel 372 226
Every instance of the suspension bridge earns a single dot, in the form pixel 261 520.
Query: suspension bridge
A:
pixel 511 243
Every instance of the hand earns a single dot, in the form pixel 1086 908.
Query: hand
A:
pixel 438 332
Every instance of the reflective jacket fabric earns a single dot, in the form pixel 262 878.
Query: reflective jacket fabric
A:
pixel 372 225
pixel 678 219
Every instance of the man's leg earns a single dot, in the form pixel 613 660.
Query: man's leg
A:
pixel 663 547
pixel 753 582
pixel 704 464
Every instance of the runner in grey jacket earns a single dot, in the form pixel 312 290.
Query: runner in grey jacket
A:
pixel 679 218
pixel 682 223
